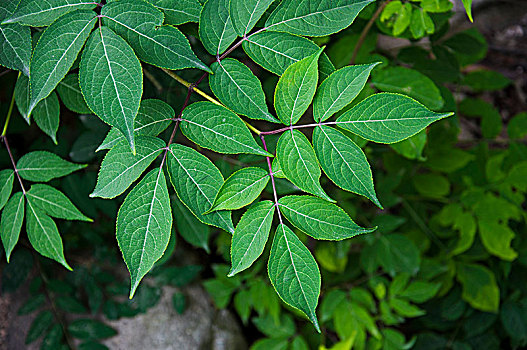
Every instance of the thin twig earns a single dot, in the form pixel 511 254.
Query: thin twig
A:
pixel 153 80
pixel 4 138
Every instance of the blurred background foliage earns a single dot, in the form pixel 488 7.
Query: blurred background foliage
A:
pixel 445 269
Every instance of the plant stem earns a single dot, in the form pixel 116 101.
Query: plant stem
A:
pixel 366 30
pixel 9 112
pixel 262 137
pixel 4 138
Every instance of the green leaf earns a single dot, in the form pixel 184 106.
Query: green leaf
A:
pixel 40 324
pixel 56 51
pixel 43 234
pixel 37 13
pixel 239 89
pixel 53 340
pixel 409 82
pixel 388 118
pixel 246 13
pixel 420 291
pixel 217 128
pixel 397 253
pixel 179 12
pixel 197 182
pixel 250 236
pixel 486 80
pixel 431 185
pixel 276 51
pixel 153 117
pixel 241 189
pixel 468 8
pixel 189 227
pixel 517 126
pixel 46 115
pixel 7 177
pixel 120 168
pixel 296 88
pixel 466 225
pixel 339 89
pixel 11 222
pixel 90 329
pixel 317 18
pixel 412 147
pixel 299 162
pixel 144 223
pixel 22 96
pixel 215 27
pixel 42 166
pixel 15 41
pixel 497 239
pixel 319 219
pixel 421 24
pixel 141 25
pixel 294 273
pixel 111 80
pixel 480 289
pixel 344 162
pixel 405 309
pixel 54 203
pixel 70 94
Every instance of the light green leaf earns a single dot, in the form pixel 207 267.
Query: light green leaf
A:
pixel 497 239
pixel 339 89
pixel 189 227
pixel 197 182
pixel 294 273
pixel 409 82
pixel 344 162
pixel 43 234
pixel 56 51
pixel 299 162
pixel 120 168
pixel 7 177
pixel 246 13
pixel 420 291
pixel 111 80
pixel 314 18
pixel 153 117
pixel 141 25
pixel 38 13
pixel 480 289
pixel 250 236
pixel 319 219
pixel 241 189
pixel 215 27
pixel 144 222
pixel 54 203
pixel 15 47
pixel 178 12
pixel 46 115
pixel 468 8
pixel 276 51
pixel 217 128
pixel 70 94
pixel 421 24
pixel 42 166
pixel 11 222
pixel 239 89
pixel 296 88
pixel 388 118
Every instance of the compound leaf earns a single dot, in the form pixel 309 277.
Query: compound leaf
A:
pixel 46 115
pixel 42 166
pixel 388 118
pixel 197 182
pixel 38 13
pixel 7 177
pixel 314 18
pixel 54 203
pixel 250 236
pixel 153 117
pixel 111 80
pixel 144 223
pixel 296 88
pixel 319 218
pixel 43 234
pixel 215 27
pixel 179 12
pixel 294 273
pixel 344 162
pixel 246 13
pixel 241 189
pixel 339 89
pixel 141 25
pixel 239 89
pixel 217 128
pixel 56 51
pixel 11 222
pixel 120 168
pixel 299 162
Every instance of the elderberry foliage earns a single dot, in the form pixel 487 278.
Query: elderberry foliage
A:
pixel 93 57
